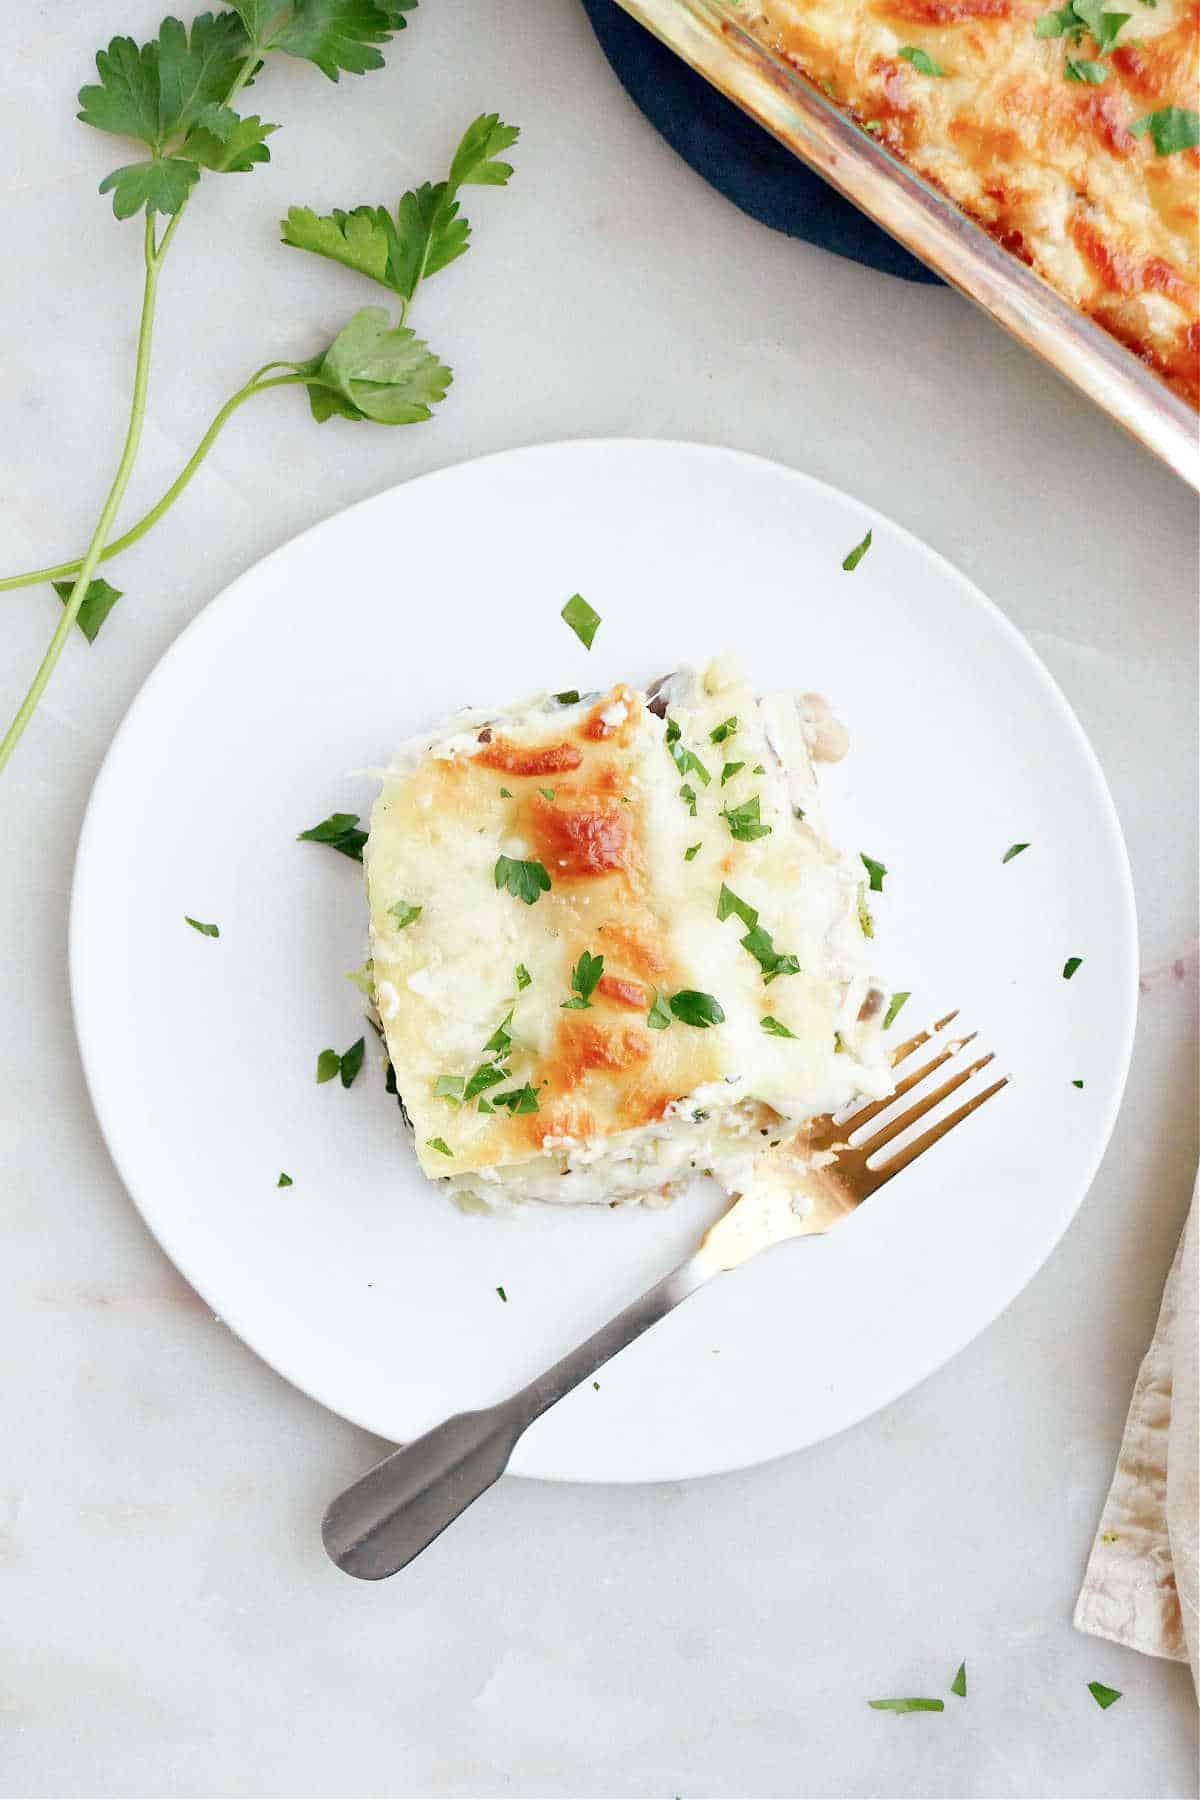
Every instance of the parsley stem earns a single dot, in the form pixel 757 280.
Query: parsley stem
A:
pixel 133 435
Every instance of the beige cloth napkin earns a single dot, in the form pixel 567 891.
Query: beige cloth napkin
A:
pixel 1141 1582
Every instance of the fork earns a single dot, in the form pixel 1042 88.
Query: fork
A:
pixel 396 1509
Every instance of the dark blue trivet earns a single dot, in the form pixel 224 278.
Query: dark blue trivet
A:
pixel 734 154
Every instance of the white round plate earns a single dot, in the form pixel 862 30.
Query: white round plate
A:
pixel 361 1282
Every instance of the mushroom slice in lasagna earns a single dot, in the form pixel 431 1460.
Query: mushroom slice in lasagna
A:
pixel 612 945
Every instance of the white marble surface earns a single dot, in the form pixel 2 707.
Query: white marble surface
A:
pixel 170 1625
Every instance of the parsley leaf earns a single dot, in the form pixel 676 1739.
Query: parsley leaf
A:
pixel 284 1181
pixel 1103 1696
pixel 921 60
pixel 340 832
pixel 729 771
pixel 375 370
pixel 959 1684
pixel 1062 23
pixel 352 1061
pixel 659 1016
pixel 1172 128
pixel 1095 74
pixel 97 603
pixel 876 870
pixel 744 822
pixel 336 35
pixel 524 880
pixel 502 1295
pixel 404 913
pixel 547 794
pixel 1013 850
pixel 518 1100
pixel 449 1087
pixel 204 930
pixel 1104 26
pixel 1077 1084
pixel 908 1706
pixel 1069 967
pixel 692 851
pixel 774 1028
pixel 724 730
pixel 851 561
pixel 700 1010
pixel 582 618
pixel 440 1145
pixel 686 761
pixel 524 978
pixel 728 902
pixel 688 793
pixel 500 1042
pixel 328 1065
pixel 771 961
pixel 227 144
pixel 866 922
pixel 160 186
pixel 487 1075
pixel 584 977
pixel 894 1005
pixel 568 697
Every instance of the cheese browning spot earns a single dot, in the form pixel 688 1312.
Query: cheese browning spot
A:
pixel 529 759
pixel 578 836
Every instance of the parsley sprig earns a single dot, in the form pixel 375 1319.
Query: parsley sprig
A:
pixel 176 97
pixel 584 978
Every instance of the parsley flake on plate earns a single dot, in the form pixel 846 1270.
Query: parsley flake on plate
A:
pixel 851 561
pixel 584 977
pixel 328 1064
pixel 1103 1696
pixel 284 1181
pixel 502 1295
pixel 659 1016
pixel 1013 850
pixel 506 793
pixel 744 822
pixel 582 618
pixel 915 1704
pixel 1069 967
pixel 201 927
pixel 724 730
pixel 568 697
pixel 347 1065
pixel 1172 128
pixel 524 978
pixel 775 1028
pixel 98 602
pixel 1077 1084
pixel 876 871
pixel 921 60
pixel 524 880
pixel 729 771
pixel 440 1145
pixel 895 1003
pixel 959 1684
pixel 700 1010
pixel 340 831
pixel 404 913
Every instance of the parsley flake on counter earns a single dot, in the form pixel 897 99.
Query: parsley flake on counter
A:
pixel 440 1145
pixel 1013 850
pixel 1095 74
pixel 772 962
pixel 328 1064
pixel 450 1087
pixel 866 922
pixel 851 561
pixel 98 602
pixel 1172 128
pixel 692 851
pixel 894 1005
pixel 584 977
pixel 340 831
pixel 724 730
pixel 352 1061
pixel 728 902
pixel 502 1295
pixel 775 1028
pixel 524 978
pixel 959 1684
pixel 700 1010
pixel 689 795
pixel 1103 1696
pixel 524 880
pixel 744 822
pixel 568 697
pixel 201 927
pixel 659 1016
pixel 921 60
pixel 916 1704
pixel 582 618
pixel 284 1181
pixel 876 870
pixel 1078 1084
pixel 729 771
pixel 1069 967
pixel 404 913
pixel 518 1100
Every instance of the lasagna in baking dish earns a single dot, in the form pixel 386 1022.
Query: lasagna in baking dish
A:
pixel 611 944
pixel 1070 133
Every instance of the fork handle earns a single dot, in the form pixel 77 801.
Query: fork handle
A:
pixel 396 1509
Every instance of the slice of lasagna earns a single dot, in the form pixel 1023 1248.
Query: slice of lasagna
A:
pixel 612 945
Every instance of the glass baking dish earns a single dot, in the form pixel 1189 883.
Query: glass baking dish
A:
pixel 709 35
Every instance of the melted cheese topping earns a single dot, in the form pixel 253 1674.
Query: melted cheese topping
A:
pixel 1048 165
pixel 592 793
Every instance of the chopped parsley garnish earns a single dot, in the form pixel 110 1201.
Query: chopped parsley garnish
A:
pixel 729 771
pixel 500 1041
pixel 329 1063
pixel 1013 850
pixel 440 1145
pixel 916 1704
pixel 724 730
pixel 1095 74
pixel 894 1005
pixel 689 794
pixel 728 902
pixel 744 822
pixel 851 561
pixel 404 913
pixel 1069 967
pixel 775 1028
pixel 284 1181
pixel 686 761
pixel 692 851
pixel 485 1106
pixel 839 1045
pixel 772 962
pixel 659 1016
pixel 1078 1084
pixel 959 1684
pixel 582 618
pixel 797 812
pixel 524 978
pixel 1103 1696
pixel 547 794
pixel 865 920
pixel 486 1075
pixel 502 1295
pixel 506 793
pixel 921 60
pixel 1105 27
pixel 340 831
pixel 524 880
pixel 876 870
pixel 518 1100
pixel 97 603
pixel 700 1010
pixel 1063 23
pixel 201 927
pixel 758 769
pixel 568 697
pixel 450 1087
pixel 1172 128
pixel 584 977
